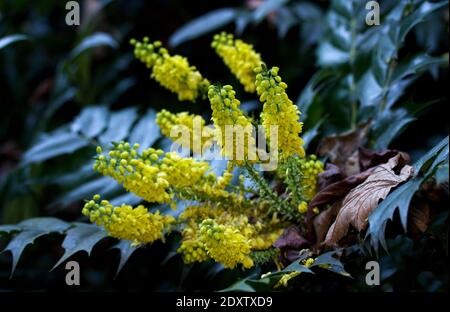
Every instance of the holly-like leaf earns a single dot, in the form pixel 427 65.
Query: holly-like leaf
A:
pixel 363 199
pixel 400 199
pixel 30 230
pixel 126 249
pixel 82 237
pixel 328 262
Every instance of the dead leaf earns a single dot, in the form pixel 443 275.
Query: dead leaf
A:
pixel 291 238
pixel 369 159
pixel 342 148
pixel 330 175
pixel 323 221
pixel 363 199
pixel 339 189
pixel 419 217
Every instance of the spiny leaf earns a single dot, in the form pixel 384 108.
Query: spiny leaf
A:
pixel 297 267
pixel 126 249
pixel 401 197
pixel 82 237
pixel 32 229
pixel 363 199
pixel 328 262
pixel 418 15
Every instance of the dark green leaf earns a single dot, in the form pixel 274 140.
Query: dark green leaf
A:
pixel 388 126
pixel 266 7
pixel 146 131
pixel 126 249
pixel 52 145
pixel 6 41
pixel 119 125
pixel 91 121
pixel 31 230
pixel 328 262
pixel 95 40
pixel 82 237
pixel 401 197
pixel 418 15
pixel 204 24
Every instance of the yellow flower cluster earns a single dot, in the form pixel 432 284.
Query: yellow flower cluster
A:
pixel 172 72
pixel 226 244
pixel 279 111
pixel 231 223
pixel 149 175
pixel 239 57
pixel 126 222
pixel 192 247
pixel 257 235
pixel 174 124
pixel 310 169
pixel 234 131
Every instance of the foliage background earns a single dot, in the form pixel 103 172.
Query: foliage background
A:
pixel 47 79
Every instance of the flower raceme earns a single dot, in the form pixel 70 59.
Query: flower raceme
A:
pixel 279 110
pixel 229 222
pixel 230 120
pixel 150 175
pixel 172 72
pixel 226 244
pixel 125 222
pixel 188 130
pixel 239 57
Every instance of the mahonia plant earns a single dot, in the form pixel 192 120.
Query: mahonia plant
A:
pixel 226 221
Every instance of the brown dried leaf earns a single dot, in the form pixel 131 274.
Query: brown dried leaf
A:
pixel 342 148
pixel 419 217
pixel 363 199
pixel 323 221
pixel 339 189
pixel 330 175
pixel 369 159
pixel 291 238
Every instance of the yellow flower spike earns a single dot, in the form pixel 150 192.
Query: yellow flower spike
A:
pixel 151 175
pixel 172 72
pixel 175 124
pixel 239 57
pixel 225 244
pixel 191 247
pixel 227 117
pixel 126 222
pixel 279 111
pixel 310 169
